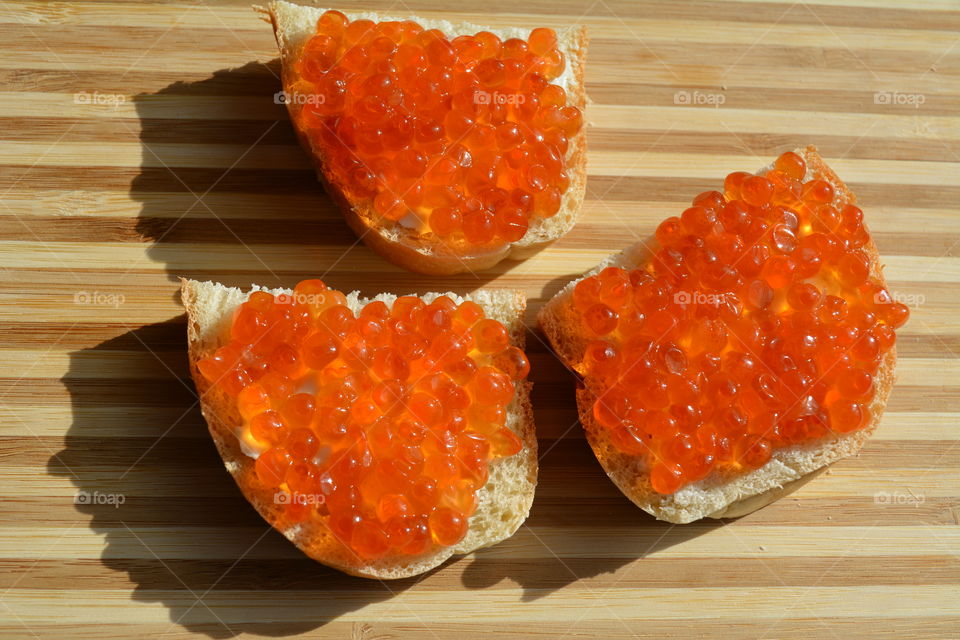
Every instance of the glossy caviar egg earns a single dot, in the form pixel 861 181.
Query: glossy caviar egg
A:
pixel 380 424
pixel 417 125
pixel 758 322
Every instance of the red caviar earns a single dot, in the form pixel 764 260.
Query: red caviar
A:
pixel 756 324
pixel 463 138
pixel 381 424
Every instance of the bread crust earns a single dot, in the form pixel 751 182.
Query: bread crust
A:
pixel 502 504
pixel 718 495
pixel 403 247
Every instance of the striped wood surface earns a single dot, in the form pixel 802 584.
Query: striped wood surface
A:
pixel 194 171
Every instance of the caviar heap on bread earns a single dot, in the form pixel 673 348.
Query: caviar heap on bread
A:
pixel 377 423
pixel 446 145
pixel 752 334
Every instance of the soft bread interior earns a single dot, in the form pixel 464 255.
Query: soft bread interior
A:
pixel 295 24
pixel 718 495
pixel 503 503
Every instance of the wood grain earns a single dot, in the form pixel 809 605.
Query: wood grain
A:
pixel 192 170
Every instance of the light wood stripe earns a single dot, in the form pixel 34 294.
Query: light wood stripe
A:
pixel 654 164
pixel 237 18
pixel 199 620
pixel 577 481
pixel 58 215
pixel 658 573
pixel 933 324
pixel 712 69
pixel 56 416
pixel 85 452
pixel 668 40
pixel 663 117
pixel 170 336
pixel 247 132
pixel 95 211
pixel 32 255
pixel 151 365
pixel 574 542
pixel 610 513
pixel 328 229
pixel 457 607
pixel 606 189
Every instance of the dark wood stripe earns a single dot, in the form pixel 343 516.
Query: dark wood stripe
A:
pixel 221 505
pixel 163 392
pixel 326 228
pixel 245 132
pixel 250 79
pixel 150 130
pixel 50 284
pixel 276 576
pixel 164 336
pixel 127 40
pixel 89 453
pixel 700 10
pixel 297 182
pixel 97 392
pixel 160 179
pixel 625 189
pixel 855 100
pixel 588 235
pixel 323 226
pixel 767 145
pixel 94 337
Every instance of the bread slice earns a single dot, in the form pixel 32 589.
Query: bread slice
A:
pixel 293 25
pixel 502 504
pixel 718 495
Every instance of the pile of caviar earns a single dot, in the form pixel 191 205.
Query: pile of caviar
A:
pixel 464 138
pixel 380 424
pixel 755 325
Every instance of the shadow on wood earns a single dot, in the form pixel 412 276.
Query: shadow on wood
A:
pixel 577 508
pixel 172 518
pixel 184 535
pixel 227 193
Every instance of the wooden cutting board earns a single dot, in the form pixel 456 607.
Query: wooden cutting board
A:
pixel 140 142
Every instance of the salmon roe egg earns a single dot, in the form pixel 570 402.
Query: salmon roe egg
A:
pixel 757 322
pixel 381 424
pixel 463 140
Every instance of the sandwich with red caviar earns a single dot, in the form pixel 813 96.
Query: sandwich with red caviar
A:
pixel 747 345
pixel 447 146
pixel 381 436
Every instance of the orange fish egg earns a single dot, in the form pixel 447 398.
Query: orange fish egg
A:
pixel 380 424
pixel 421 126
pixel 759 323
